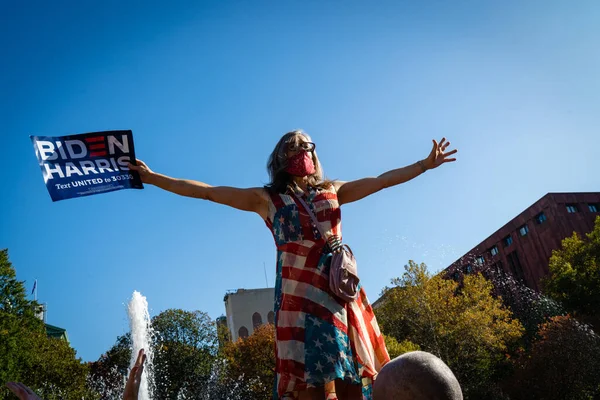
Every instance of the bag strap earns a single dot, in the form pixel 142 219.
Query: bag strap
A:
pixel 312 216
pixel 333 241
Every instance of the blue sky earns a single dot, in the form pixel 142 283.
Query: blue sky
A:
pixel 209 87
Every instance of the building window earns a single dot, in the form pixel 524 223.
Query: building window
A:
pixel 541 218
pixel 243 332
pixel 593 207
pixel 480 260
pixel 524 230
pixel 468 269
pixel 256 320
pixel 271 317
pixel 456 275
pixel 494 251
pixel 515 266
pixel 507 241
pixel 572 208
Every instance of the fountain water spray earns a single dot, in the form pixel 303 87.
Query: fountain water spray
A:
pixel 141 337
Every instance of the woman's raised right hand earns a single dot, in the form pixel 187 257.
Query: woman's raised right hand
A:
pixel 142 169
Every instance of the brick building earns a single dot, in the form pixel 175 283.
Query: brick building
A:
pixel 524 245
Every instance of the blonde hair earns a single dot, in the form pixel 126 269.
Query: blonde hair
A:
pixel 280 179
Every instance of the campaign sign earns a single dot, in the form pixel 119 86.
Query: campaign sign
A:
pixel 86 164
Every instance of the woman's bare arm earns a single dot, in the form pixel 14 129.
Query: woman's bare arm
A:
pixel 250 199
pixel 347 192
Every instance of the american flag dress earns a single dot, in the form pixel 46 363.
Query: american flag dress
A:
pixel 318 337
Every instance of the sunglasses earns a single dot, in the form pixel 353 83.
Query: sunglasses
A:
pixel 306 146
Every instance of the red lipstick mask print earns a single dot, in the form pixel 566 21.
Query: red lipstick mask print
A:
pixel 301 164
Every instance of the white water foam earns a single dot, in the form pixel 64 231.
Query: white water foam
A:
pixel 141 337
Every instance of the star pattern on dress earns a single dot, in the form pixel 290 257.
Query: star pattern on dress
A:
pixel 307 376
pixel 329 338
pixel 352 376
pixel 322 357
pixel 318 366
pixel 325 351
pixel 287 226
pixel 330 358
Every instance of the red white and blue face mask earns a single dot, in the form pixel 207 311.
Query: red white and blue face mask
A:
pixel 301 164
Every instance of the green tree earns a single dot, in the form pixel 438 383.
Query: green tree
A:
pixel 107 374
pixel 186 347
pixel 574 278
pixel 396 348
pixel 466 326
pixel 223 334
pixel 47 365
pixel 531 308
pixel 562 364
pixel 184 351
pixel 13 298
pixel 251 362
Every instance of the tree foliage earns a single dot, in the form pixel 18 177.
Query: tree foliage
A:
pixel 185 351
pixel 107 374
pixel 574 278
pixel 465 326
pixel 47 365
pixel 13 297
pixel 563 363
pixel 396 348
pixel 251 362
pixel 531 308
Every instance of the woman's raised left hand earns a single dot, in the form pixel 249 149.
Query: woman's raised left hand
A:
pixel 439 154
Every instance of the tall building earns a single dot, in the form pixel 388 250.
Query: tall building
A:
pixel 524 245
pixel 247 309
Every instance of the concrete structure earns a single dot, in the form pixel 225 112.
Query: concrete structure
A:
pixel 41 312
pixel 247 309
pixel 51 330
pixel 416 375
pixel 524 245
